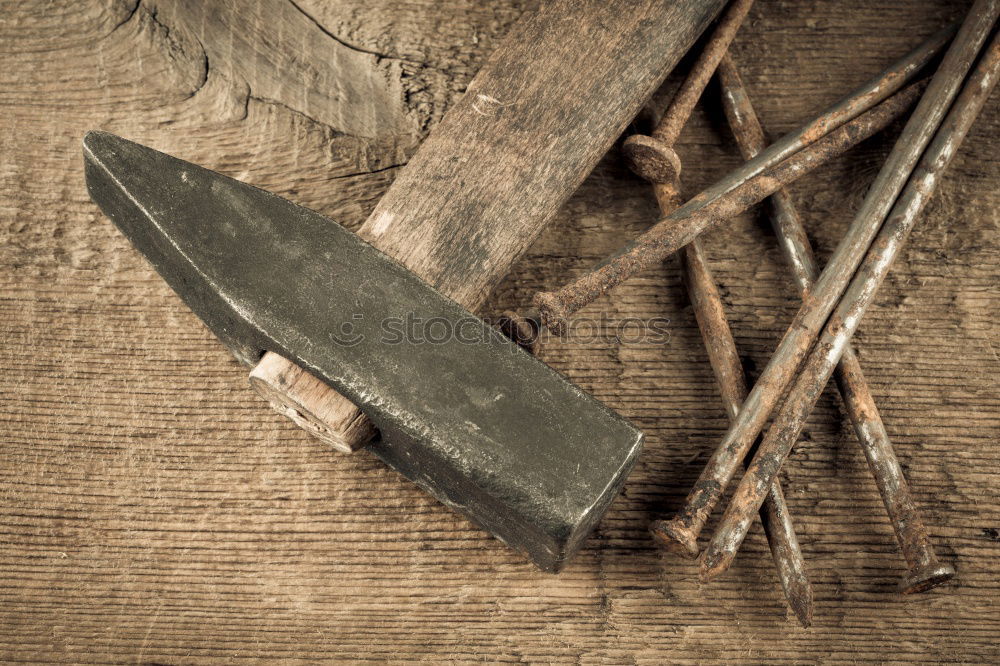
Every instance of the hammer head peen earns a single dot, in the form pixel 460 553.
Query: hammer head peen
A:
pixel 470 417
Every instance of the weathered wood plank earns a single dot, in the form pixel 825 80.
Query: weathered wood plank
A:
pixel 152 511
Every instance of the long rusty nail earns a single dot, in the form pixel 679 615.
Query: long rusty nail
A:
pixel 864 285
pixel 924 572
pixel 642 152
pixel 728 369
pixel 685 224
pixel 822 298
pixel 847 108
pixel 652 157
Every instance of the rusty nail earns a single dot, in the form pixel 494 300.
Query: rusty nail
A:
pixel 685 224
pixel 652 157
pixel 771 384
pixel 707 302
pixel 726 365
pixel 729 375
pixel 926 570
pixel 849 107
pixel 819 303
pixel 923 571
pixel 827 290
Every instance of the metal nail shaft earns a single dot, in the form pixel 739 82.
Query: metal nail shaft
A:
pixel 924 571
pixel 827 290
pixel 849 107
pixel 690 91
pixel 653 157
pixel 845 320
pixel 678 229
pixel 728 369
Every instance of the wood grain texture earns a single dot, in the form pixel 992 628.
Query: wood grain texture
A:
pixel 152 510
pixel 544 108
pixel 309 403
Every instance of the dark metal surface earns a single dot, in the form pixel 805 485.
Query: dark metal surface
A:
pixel 927 571
pixel 480 424
pixel 686 223
pixel 858 401
pixel 548 103
pixel 822 298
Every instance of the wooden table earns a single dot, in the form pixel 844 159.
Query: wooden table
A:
pixel 152 509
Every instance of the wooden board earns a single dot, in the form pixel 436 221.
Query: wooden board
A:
pixel 154 511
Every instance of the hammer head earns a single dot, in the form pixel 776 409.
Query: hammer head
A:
pixel 477 422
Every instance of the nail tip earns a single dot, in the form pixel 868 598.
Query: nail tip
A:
pixel 708 573
pixel 801 603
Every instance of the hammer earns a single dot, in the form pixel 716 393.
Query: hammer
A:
pixel 546 106
pixel 473 419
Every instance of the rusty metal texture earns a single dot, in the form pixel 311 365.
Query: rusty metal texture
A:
pixel 653 157
pixel 727 367
pixel 847 108
pixel 858 401
pixel 841 326
pixel 822 298
pixel 686 223
pixel 729 375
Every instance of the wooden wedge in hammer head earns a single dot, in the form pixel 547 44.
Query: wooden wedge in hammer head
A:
pixel 470 417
